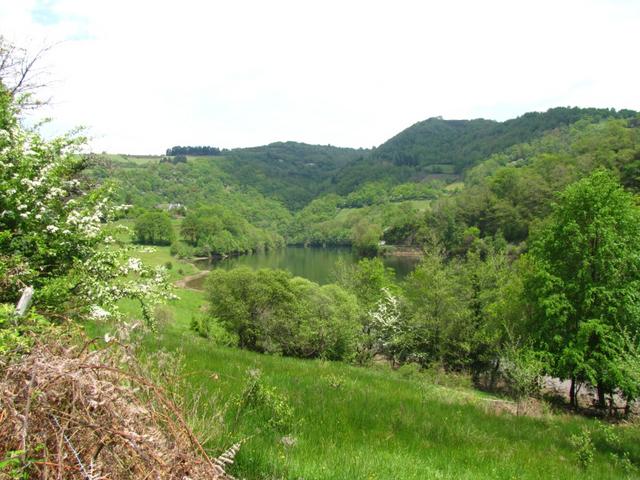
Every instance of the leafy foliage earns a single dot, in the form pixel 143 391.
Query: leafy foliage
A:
pixel 272 312
pixel 585 279
pixel 294 173
pixel 437 148
pixel 53 235
pixel 218 230
pixel 154 228
pixel 201 150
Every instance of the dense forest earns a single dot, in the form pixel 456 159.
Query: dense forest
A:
pixel 194 151
pixel 493 178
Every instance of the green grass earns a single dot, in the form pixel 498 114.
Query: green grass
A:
pixel 454 187
pixel 157 255
pixel 161 256
pixel 372 423
pixel 131 159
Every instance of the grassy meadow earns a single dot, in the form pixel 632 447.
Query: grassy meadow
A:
pixel 352 422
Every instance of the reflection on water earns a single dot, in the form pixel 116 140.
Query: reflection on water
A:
pixel 316 264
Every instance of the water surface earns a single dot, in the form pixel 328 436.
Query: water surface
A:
pixel 316 264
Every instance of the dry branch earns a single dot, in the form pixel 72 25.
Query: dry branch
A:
pixel 78 415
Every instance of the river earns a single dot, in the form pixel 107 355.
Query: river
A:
pixel 316 264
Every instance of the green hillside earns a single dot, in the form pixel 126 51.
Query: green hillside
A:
pixel 446 148
pixel 294 173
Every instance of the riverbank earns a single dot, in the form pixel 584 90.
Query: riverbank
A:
pixel 348 422
pixel 317 264
pixel 185 282
pixel 402 251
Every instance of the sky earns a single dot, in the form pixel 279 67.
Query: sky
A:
pixel 146 75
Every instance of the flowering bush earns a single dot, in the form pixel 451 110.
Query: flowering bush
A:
pixel 54 234
pixel 391 333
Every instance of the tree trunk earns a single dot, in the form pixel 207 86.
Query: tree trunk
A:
pixel 573 400
pixel 602 403
pixel 494 375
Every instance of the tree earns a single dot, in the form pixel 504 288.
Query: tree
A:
pixel 367 280
pixel 54 231
pixel 365 237
pixel 585 280
pixel 154 228
pixel 437 303
pixel 18 73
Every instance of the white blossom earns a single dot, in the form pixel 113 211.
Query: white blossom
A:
pixel 99 313
pixel 134 264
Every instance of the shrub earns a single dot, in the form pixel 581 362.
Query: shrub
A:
pixel 266 401
pixel 522 370
pixel 271 312
pixel 75 395
pixel 210 328
pixel 583 444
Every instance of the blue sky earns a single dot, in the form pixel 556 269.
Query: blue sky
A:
pixel 144 75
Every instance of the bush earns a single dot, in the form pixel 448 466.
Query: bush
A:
pixel 271 312
pixel 583 444
pixel 78 394
pixel 265 401
pixel 522 370
pixel 210 328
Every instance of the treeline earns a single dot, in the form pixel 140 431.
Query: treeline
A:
pixel 193 151
pixel 385 215
pixel 502 196
pixel 217 230
pixel 566 308
pixel 271 312
pixel 294 173
pixel 205 231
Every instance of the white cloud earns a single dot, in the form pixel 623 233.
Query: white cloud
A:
pixel 145 75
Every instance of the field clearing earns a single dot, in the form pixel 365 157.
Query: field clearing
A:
pixel 420 205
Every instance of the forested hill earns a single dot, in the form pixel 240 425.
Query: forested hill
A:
pixel 294 173
pixel 291 174
pixel 445 148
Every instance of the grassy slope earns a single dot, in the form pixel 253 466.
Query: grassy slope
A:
pixel 374 424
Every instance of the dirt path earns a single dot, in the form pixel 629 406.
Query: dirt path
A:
pixel 184 281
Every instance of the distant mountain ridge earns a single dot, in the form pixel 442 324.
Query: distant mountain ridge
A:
pixel 448 147
pixel 296 173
